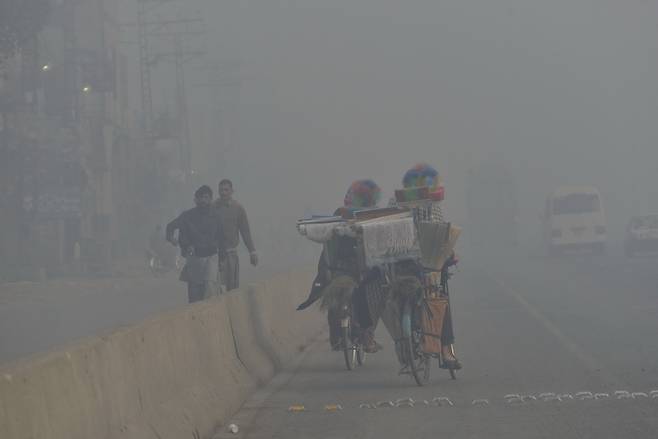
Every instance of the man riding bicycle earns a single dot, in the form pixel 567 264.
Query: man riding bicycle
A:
pixel 362 194
pixel 427 210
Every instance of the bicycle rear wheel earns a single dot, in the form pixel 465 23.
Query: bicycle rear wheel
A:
pixel 419 363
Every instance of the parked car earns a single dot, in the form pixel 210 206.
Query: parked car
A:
pixel 641 235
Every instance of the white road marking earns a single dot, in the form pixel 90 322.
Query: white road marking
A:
pixel 590 362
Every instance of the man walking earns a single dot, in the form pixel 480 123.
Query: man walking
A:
pixel 200 238
pixel 234 224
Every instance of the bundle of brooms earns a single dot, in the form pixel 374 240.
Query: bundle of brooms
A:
pixel 437 243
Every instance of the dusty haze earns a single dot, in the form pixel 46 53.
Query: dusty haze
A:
pixel 295 99
pixel 561 92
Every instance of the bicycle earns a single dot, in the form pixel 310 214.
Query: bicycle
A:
pixel 417 347
pixel 345 333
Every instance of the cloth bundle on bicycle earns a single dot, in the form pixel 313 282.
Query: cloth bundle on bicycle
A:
pixel 388 240
pixel 433 312
pixel 381 240
pixel 319 232
pixel 320 229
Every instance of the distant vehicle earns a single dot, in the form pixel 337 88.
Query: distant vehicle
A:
pixel 574 220
pixel 641 235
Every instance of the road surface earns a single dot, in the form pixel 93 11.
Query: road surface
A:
pixel 526 326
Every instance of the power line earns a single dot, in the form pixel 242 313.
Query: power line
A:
pixel 176 30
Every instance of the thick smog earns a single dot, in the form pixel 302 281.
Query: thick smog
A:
pixel 328 219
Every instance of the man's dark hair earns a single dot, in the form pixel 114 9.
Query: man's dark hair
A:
pixel 203 190
pixel 226 181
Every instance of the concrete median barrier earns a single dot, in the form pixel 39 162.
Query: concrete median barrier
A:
pixel 279 327
pixel 256 359
pixel 178 375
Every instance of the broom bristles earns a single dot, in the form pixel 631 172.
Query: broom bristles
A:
pixel 338 293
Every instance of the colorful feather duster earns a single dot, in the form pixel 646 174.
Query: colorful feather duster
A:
pixel 421 175
pixel 363 194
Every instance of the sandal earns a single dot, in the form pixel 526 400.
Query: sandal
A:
pixel 370 346
pixel 452 363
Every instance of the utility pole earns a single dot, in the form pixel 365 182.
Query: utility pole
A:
pixel 184 140
pixel 145 68
pixel 177 30
pixel 71 63
pixel 147 29
pixel 149 24
pixel 214 86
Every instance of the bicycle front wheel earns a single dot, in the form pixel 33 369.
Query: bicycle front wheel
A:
pixel 349 349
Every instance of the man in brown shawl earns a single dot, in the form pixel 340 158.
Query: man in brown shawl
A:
pixel 235 224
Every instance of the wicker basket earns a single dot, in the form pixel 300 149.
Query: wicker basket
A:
pixel 432 323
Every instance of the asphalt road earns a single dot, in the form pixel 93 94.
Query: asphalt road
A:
pixel 525 325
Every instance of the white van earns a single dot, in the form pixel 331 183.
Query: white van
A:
pixel 574 219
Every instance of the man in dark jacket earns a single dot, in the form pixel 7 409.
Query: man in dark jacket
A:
pixel 362 194
pixel 200 238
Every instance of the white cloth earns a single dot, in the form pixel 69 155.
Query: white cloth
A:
pixel 389 240
pixel 319 233
pixel 323 232
pixel 198 270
